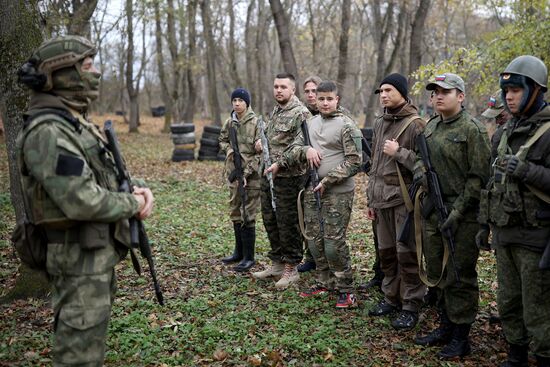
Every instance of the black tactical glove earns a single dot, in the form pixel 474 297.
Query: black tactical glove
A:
pixel 515 167
pixel 452 222
pixel 482 238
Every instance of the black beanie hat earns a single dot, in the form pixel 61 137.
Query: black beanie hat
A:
pixel 242 94
pixel 398 81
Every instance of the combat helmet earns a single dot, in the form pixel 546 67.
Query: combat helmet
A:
pixel 530 67
pixel 54 54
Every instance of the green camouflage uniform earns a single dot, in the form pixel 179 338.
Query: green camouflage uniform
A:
pixel 282 226
pixel 338 140
pixel 459 152
pixel 247 134
pixel 69 179
pixel 521 230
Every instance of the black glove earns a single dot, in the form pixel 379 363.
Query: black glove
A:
pixel 452 222
pixel 515 167
pixel 482 238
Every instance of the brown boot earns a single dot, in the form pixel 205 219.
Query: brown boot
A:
pixel 290 276
pixel 276 269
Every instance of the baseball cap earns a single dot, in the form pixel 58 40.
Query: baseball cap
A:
pixel 447 81
pixel 496 106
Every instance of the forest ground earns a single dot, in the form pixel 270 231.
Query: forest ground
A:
pixel 214 316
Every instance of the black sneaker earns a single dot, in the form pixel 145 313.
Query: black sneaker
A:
pixel 406 320
pixel 381 309
pixel 306 266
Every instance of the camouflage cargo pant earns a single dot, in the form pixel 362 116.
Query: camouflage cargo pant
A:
pixel 459 299
pixel 523 298
pixel 252 205
pixel 282 226
pixel 329 249
pixel 398 260
pixel 83 291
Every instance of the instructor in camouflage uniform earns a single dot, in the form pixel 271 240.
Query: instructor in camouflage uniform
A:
pixel 247 133
pixel 282 225
pixel 69 181
pixel 459 152
pixel 335 152
pixel 517 205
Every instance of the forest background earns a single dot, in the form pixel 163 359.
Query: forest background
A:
pixel 188 55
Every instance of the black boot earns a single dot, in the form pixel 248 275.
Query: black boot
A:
pixel 248 235
pixel 518 356
pixel 543 361
pixel 459 345
pixel 441 335
pixel 238 251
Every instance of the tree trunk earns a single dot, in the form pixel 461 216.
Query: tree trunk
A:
pixel 211 63
pixel 19 34
pixel 166 99
pixel 232 48
pixel 417 33
pixel 192 89
pixel 174 55
pixel 343 47
pixel 249 47
pixel 79 22
pixel 283 32
pixel 132 91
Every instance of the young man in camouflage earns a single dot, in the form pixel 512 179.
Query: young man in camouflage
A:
pixel 282 225
pixel 310 92
pixel 244 221
pixel 390 176
pixel 517 206
pixel 335 152
pixel 69 181
pixel 459 152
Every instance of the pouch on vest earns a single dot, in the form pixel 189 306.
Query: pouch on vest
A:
pixel 30 244
pixel 93 235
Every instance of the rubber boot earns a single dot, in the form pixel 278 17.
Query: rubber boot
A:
pixel 518 356
pixel 543 361
pixel 248 236
pixel 459 346
pixel 238 251
pixel 439 336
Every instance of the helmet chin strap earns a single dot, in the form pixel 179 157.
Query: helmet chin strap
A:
pixel 534 95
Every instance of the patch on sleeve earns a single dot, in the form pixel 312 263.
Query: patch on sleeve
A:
pixel 69 165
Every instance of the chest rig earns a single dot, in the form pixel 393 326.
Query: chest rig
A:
pixel 508 201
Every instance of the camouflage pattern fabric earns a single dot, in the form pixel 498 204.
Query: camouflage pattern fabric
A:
pixel 282 226
pixel 523 298
pixel 70 180
pixel 281 129
pixel 459 151
pixel 247 135
pixel 459 299
pixel 329 249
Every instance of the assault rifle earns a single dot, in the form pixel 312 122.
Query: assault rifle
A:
pixel 434 192
pixel 238 172
pixel 405 231
pixel 138 236
pixel 313 179
pixel 366 153
pixel 267 160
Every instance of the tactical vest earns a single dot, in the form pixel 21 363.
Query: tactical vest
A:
pixel 89 142
pixel 507 201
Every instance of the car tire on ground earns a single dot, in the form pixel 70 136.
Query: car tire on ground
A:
pixel 182 128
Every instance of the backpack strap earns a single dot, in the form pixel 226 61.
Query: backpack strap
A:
pixel 404 191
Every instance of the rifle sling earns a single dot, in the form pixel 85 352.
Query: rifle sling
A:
pixel 419 248
pixel 402 185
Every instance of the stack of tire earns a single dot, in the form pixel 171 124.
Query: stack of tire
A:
pixel 183 137
pixel 209 144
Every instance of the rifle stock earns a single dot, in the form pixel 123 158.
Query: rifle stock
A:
pixel 434 190
pixel 138 236
pixel 314 179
